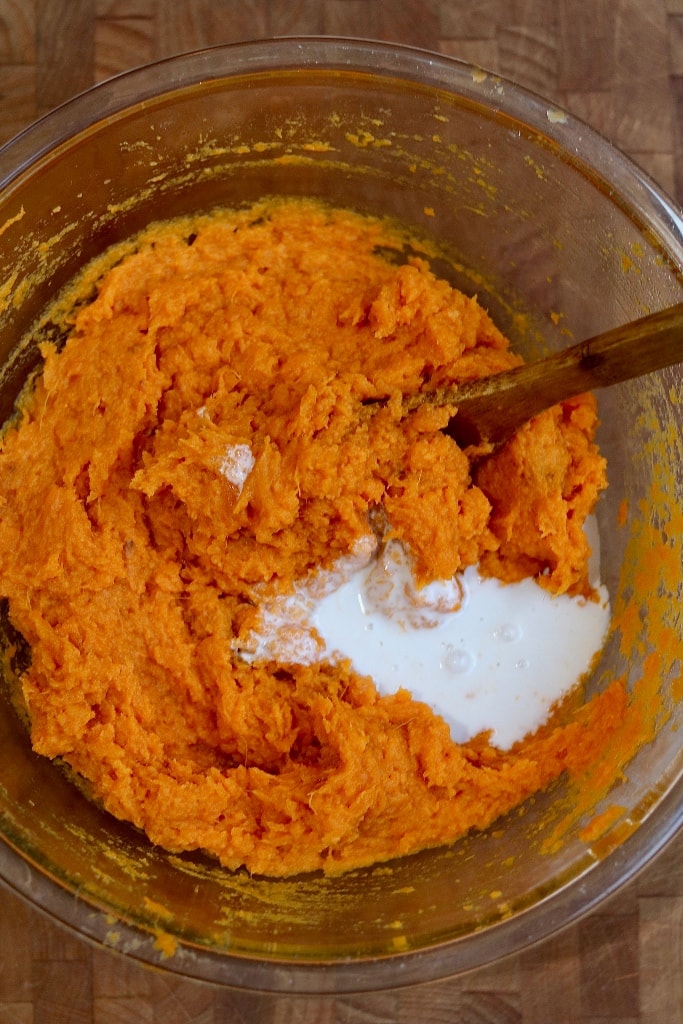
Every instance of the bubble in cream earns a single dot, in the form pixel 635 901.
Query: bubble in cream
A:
pixel 508 633
pixel 457 661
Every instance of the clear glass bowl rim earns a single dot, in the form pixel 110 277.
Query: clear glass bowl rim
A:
pixel 646 203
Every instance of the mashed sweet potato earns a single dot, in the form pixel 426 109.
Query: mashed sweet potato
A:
pixel 202 440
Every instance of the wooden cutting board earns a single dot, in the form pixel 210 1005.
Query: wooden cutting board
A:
pixel 619 65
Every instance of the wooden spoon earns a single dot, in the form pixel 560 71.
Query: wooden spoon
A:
pixel 491 409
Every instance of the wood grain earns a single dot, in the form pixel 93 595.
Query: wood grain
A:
pixel 616 63
pixel 619 65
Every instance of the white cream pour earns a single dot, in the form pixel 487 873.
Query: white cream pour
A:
pixel 484 655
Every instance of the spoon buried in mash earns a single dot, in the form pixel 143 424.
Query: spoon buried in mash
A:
pixel 491 409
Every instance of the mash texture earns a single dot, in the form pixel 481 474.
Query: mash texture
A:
pixel 201 441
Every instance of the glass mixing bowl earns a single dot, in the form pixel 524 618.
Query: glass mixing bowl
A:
pixel 561 237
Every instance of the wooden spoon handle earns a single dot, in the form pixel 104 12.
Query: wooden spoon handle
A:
pixel 493 408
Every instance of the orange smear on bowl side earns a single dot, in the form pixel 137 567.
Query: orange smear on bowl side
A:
pixel 646 624
pixel 200 443
pixel 601 823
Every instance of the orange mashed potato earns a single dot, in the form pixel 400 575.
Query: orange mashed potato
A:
pixel 134 565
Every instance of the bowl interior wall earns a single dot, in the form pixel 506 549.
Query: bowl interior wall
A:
pixel 515 220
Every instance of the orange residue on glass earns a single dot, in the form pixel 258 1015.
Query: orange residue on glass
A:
pixel 165 944
pixel 601 823
pixel 644 622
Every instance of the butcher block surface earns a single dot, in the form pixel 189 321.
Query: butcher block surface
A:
pixel 618 64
